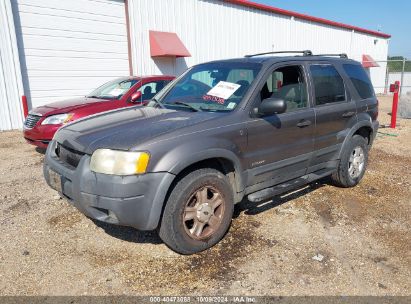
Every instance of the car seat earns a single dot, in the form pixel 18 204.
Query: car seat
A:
pixel 148 93
pixel 244 85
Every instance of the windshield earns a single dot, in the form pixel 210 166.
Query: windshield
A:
pixel 114 89
pixel 212 87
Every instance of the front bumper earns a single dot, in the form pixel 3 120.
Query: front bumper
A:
pixel 40 135
pixel 38 143
pixel 134 201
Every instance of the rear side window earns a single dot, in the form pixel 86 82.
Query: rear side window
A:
pixel 360 80
pixel 328 84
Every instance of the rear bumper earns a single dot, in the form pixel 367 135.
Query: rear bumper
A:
pixel 375 127
pixel 134 201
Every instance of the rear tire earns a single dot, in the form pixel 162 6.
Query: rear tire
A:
pixel 198 212
pixel 353 163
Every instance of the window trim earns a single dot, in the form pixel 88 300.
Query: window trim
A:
pixel 346 100
pixel 278 65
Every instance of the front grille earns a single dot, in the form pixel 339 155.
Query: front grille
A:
pixel 31 121
pixel 68 156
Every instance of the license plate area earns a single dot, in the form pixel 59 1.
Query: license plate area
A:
pixel 55 181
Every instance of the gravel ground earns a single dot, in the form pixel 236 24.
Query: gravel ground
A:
pixel 319 240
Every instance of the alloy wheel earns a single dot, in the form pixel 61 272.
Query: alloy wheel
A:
pixel 203 213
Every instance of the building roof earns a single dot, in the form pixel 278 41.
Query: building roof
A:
pixel 280 11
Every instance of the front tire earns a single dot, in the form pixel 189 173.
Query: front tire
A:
pixel 198 212
pixel 354 160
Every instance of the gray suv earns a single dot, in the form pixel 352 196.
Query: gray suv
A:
pixel 223 131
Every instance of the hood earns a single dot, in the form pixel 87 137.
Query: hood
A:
pixel 126 128
pixel 65 106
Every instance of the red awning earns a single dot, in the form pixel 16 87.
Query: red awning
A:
pixel 164 44
pixel 369 62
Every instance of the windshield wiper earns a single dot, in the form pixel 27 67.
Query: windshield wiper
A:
pixel 158 102
pixel 187 105
pixel 101 97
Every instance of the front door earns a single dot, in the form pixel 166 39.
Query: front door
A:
pixel 280 146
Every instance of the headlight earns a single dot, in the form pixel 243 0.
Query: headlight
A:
pixel 119 162
pixel 59 119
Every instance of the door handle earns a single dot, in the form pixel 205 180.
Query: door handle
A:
pixel 348 114
pixel 304 123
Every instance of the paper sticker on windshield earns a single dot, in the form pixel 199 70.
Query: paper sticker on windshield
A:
pixel 116 92
pixel 214 99
pixel 231 105
pixel 224 89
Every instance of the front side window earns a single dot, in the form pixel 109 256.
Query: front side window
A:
pixel 360 80
pixel 215 87
pixel 287 83
pixel 328 84
pixel 150 89
pixel 114 89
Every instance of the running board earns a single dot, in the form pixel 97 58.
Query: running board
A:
pixel 267 193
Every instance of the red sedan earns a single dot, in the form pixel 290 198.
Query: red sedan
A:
pixel 42 122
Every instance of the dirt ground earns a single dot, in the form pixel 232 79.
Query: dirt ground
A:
pixel 320 240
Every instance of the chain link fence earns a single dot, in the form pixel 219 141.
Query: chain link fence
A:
pixel 396 70
pixel 383 73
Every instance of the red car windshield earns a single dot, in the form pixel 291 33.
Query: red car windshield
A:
pixel 114 89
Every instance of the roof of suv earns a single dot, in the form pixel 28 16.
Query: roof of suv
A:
pixel 273 59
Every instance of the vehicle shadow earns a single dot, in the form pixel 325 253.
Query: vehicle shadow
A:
pixel 132 235
pixel 129 234
pixel 41 150
pixel 250 208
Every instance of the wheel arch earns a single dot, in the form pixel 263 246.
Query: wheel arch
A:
pixel 220 159
pixel 362 128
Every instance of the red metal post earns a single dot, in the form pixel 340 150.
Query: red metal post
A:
pixel 25 106
pixel 395 105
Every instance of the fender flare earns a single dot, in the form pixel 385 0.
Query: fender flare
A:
pixel 351 132
pixel 212 153
pixel 183 156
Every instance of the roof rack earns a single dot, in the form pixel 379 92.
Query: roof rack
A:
pixel 305 53
pixel 343 55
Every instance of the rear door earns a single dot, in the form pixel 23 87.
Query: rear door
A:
pixel 335 113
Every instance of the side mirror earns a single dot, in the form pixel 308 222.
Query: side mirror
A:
pixel 136 97
pixel 271 106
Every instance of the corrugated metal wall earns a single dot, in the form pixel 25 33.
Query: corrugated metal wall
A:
pixel 216 30
pixel 69 48
pixel 11 88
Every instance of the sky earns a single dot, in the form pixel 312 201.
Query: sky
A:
pixel 390 17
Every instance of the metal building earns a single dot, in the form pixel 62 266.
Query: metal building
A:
pixel 52 50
